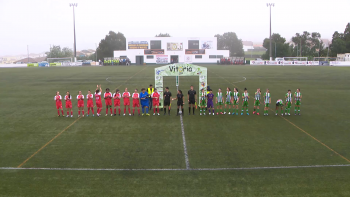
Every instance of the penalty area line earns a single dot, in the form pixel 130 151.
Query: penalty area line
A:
pixel 184 142
pixel 179 169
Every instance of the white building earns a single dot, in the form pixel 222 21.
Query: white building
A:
pixel 165 50
pixel 247 45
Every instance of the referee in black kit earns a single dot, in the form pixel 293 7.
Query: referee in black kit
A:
pixel 167 98
pixel 191 100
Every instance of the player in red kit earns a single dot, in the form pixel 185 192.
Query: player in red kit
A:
pixel 108 101
pixel 135 102
pixel 80 98
pixel 126 100
pixel 98 100
pixel 68 99
pixel 116 97
pixel 58 99
pixel 155 96
pixel 90 103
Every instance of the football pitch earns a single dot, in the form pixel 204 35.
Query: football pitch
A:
pixel 222 155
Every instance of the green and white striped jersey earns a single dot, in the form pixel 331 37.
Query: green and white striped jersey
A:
pixel 288 97
pixel 203 96
pixel 245 96
pixel 228 96
pixel 267 97
pixel 235 96
pixel 219 97
pixel 257 96
pixel 297 96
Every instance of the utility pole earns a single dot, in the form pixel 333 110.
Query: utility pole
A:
pixel 75 44
pixel 269 5
pixel 28 54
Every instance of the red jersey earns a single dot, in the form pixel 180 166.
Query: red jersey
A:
pixel 135 96
pixel 68 100
pixel 58 99
pixel 98 97
pixel 135 100
pixel 80 99
pixel 155 96
pixel 90 101
pixel 126 96
pixel 116 98
pixel 107 96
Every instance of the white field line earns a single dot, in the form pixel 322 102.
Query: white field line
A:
pixel 184 143
pixel 177 169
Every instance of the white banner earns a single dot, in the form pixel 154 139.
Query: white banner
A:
pixel 300 63
pixel 339 63
pixel 162 59
pixel 272 62
pixel 188 59
pixel 257 62
pixel 72 63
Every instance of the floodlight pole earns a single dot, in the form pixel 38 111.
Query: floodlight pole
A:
pixel 269 5
pixel 75 44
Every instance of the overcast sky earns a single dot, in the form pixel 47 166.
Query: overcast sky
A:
pixel 39 23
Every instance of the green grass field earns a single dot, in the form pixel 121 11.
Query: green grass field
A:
pixel 305 155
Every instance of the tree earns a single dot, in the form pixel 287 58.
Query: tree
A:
pixel 340 42
pixel 230 41
pixel 279 47
pixel 163 35
pixel 300 40
pixel 57 52
pixel 113 41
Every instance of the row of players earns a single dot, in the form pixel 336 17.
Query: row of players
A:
pixel 206 101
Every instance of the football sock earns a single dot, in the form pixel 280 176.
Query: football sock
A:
pixel 115 110
pixel 254 109
pixel 79 112
pixel 129 110
pixel 106 110
pixel 88 111
pixel 119 110
pixel 257 110
pixel 295 109
pixel 299 109
pixel 147 110
pixel 154 110
pixel 276 111
pixel 143 110
pixel 124 110
pixel 62 112
pixel 58 112
pixel 83 112
pixel 110 109
pixel 189 109
pixel 71 113
pixel 164 110
pixel 177 111
pixel 225 110
pixel 247 110
pixel 158 110
pixel 67 113
pixel 92 109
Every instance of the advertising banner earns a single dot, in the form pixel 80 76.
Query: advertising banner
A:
pixel 71 64
pixel 174 46
pixel 188 59
pixel 257 62
pixel 195 51
pixel 272 62
pixel 154 51
pixel 313 63
pixel 137 45
pixel 287 62
pixel 159 86
pixel 206 45
pixel 162 59
pixel 300 63
pixel 339 63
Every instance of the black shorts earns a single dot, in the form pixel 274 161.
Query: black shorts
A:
pixel 278 104
pixel 180 103
pixel 166 103
pixel 192 101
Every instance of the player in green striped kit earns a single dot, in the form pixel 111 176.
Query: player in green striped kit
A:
pixel 245 103
pixel 298 97
pixel 267 101
pixel 228 100
pixel 257 101
pixel 235 101
pixel 279 103
pixel 288 102
pixel 219 102
pixel 202 101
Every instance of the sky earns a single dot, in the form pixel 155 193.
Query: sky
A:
pixel 39 23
